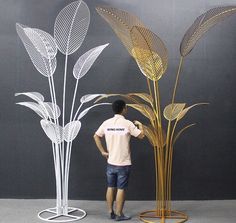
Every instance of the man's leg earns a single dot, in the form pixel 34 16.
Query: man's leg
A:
pixel 120 199
pixel 122 183
pixel 110 196
pixel 111 189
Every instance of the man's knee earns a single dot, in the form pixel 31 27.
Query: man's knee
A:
pixel 111 188
pixel 121 190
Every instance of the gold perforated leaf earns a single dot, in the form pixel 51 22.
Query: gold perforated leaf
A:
pixel 144 96
pixel 143 109
pixel 202 24
pixel 147 49
pixel 172 111
pixel 149 52
pixel 129 97
pixel 184 111
pixel 121 22
pixel 152 137
pixel 181 131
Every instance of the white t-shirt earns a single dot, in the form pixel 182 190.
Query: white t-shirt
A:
pixel 117 131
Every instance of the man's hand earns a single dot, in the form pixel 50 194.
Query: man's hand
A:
pixel 105 154
pixel 137 123
pixel 140 127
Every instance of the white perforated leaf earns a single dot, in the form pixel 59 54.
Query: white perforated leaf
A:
pixel 52 110
pixel 34 95
pixel 45 66
pixel 42 41
pixel 71 130
pixel 89 97
pixel 35 107
pixel 84 112
pixel 71 27
pixel 54 132
pixel 85 62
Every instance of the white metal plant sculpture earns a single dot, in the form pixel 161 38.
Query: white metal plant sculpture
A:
pixel 70 29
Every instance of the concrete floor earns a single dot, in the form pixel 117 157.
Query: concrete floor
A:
pixel 25 211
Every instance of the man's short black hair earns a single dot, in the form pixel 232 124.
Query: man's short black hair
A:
pixel 118 106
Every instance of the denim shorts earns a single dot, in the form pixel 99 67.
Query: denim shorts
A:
pixel 118 176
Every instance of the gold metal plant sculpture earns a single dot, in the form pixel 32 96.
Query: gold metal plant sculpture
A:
pixel 151 56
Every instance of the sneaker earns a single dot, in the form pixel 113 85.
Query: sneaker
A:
pixel 112 215
pixel 122 218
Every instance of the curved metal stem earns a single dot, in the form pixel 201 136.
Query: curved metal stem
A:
pixel 169 169
pixel 77 112
pixel 56 150
pixel 149 87
pixel 177 79
pixel 63 125
pixel 159 150
pixel 169 125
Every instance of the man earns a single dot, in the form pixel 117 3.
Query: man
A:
pixel 117 132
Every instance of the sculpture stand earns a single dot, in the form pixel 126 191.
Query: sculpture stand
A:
pixel 174 216
pixel 51 215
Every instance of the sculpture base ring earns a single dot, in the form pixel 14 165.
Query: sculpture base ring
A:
pixel 175 216
pixel 51 215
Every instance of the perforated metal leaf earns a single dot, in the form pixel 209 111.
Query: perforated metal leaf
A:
pixel 121 22
pixel 172 111
pixel 71 130
pixel 71 27
pixel 181 131
pixel 185 111
pixel 144 96
pixel 149 52
pixel 202 24
pixel 33 95
pixel 150 133
pixel 45 66
pixel 132 97
pixel 35 107
pixel 85 62
pixel 89 97
pixel 85 111
pixel 54 132
pixel 106 96
pixel 144 109
pixel 42 41
pixel 52 110
pixel 154 138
